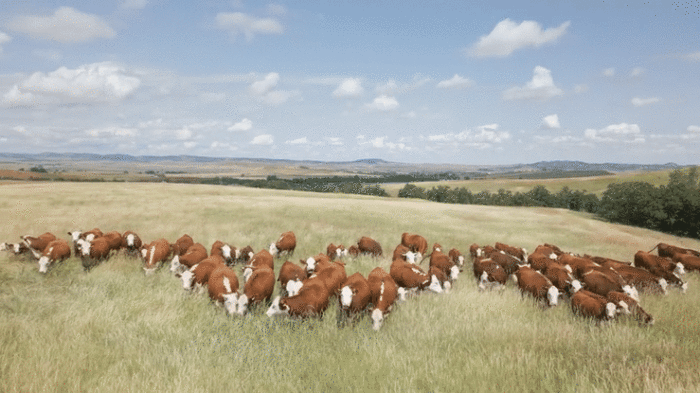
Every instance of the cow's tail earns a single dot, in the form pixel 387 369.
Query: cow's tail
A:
pixel 425 256
pixel 655 247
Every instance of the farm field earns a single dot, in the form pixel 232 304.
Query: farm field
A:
pixel 115 330
pixel 594 184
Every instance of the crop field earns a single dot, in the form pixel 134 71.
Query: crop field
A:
pixel 116 330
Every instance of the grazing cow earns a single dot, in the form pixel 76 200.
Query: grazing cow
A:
pixel 488 273
pixel 443 279
pixel 442 262
pixel 336 252
pixel 182 244
pixel 474 250
pixel 578 265
pixel 262 258
pixel 643 280
pixel 316 263
pixel 562 278
pixel 37 244
pixel 590 305
pixel 412 277
pixel 354 297
pixel 223 287
pixel 601 283
pixel 55 251
pixel 662 267
pixel 93 252
pixel 114 239
pixel 383 292
pixel 690 262
pixel 667 250
pixel 223 250
pixel 245 254
pixel 367 245
pixel 519 253
pixel 629 305
pixel 199 273
pixel 604 260
pixel 537 285
pixel 354 251
pixel 15 248
pixel 509 263
pixel 456 257
pixel 258 288
pixel 92 234
pixel 540 262
pixel 291 278
pixel 195 254
pixel 311 301
pixel 155 254
pixel 400 252
pixel 285 244
pixel 131 242
pixel 333 276
pixel 415 243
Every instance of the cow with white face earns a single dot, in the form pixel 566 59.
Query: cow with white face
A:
pixel 56 251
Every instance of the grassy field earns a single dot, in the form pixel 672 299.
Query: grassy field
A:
pixel 115 330
pixel 594 184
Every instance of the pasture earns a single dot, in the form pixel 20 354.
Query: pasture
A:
pixel 115 330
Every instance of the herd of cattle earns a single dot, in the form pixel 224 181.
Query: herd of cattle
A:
pixel 596 287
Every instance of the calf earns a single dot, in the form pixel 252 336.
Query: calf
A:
pixel 415 243
pixel 131 243
pixel 354 297
pixel 367 245
pixel 630 306
pixel 55 251
pixel 285 244
pixel 533 282
pixel 37 244
pixel 195 254
pixel 383 292
pixel 93 252
pixel 291 277
pixel 155 254
pixel 591 305
pixel 312 300
pixel 223 287
pixel 182 244
pixel 258 288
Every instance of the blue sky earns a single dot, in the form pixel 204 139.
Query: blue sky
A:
pixel 500 82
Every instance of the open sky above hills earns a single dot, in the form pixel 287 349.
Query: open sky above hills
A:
pixel 456 82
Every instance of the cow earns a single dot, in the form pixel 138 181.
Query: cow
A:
pixel 519 253
pixel 333 276
pixel 591 305
pixel 456 257
pixel 383 292
pixel 311 301
pixel 15 248
pixel 662 267
pixel 285 244
pixel 261 258
pixel 198 275
pixel 629 305
pixel 224 250
pixel 400 252
pixel 336 252
pixel 155 254
pixel 244 254
pixel 540 261
pixel 412 277
pixel 258 288
pixel 578 265
pixel 488 273
pixel 37 244
pixel 291 277
pixel 354 297
pixel 415 243
pixel 474 250
pixel 114 240
pixel 316 263
pixel 354 251
pixel 131 243
pixel 442 262
pixel 536 284
pixel 195 254
pixel 367 245
pixel 223 288
pixel 642 279
pixel 509 263
pixel 690 262
pixel 561 278
pixel 443 279
pixel 668 250
pixel 601 283
pixel 182 244
pixel 56 251
pixel 93 252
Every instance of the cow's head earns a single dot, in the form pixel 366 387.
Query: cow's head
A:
pixel 175 264
pixel 454 273
pixel 377 319
pixel 410 257
pixel 631 292
pixel 623 308
pixel 273 249
pixel 277 308
pixel 226 252
pixel 44 264
pixel 310 265
pixel 231 302
pixel 610 310
pixel 346 295
pixel 75 235
pixel 84 247
pixel 187 277
pixel 242 308
pixel 435 285
pixel 293 287
pixel 553 296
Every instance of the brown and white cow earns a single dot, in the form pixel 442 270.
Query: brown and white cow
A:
pixel 55 251
pixel 291 278
pixel 336 252
pixel 562 278
pixel 536 284
pixel 642 279
pixel 225 251
pixel 412 278
pixel 195 254
pixel 285 244
pixel 333 276
pixel 316 263
pixel 456 257
pixel 182 244
pixel 367 245
pixel 599 282
pixel 590 305
pixel 415 243
pixel 519 253
pixel 37 244
pixel 662 267
pixel 154 255
pixel 311 301
pixel 93 252
pixel 114 239
pixel 258 288
pixel 131 243
pixel 354 297
pixel 488 273
pixel 223 287
pixel 668 250
pixel 354 251
pixel 690 262
pixel 198 275
pixel 383 293
pixel 261 258
pixel 628 305
pixel 442 261
pixel 15 248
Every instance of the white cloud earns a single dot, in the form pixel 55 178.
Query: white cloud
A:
pixel 551 121
pixel 693 56
pixel 382 143
pixel 243 125
pixel 266 85
pixel 134 4
pixel 456 82
pixel 391 87
pixel 299 141
pixel 609 72
pixel 483 137
pixel 277 97
pixel 351 87
pixel 263 140
pixel 111 131
pixel 637 72
pixel 384 103
pixel 91 83
pixel 541 87
pixel 623 132
pixel 4 39
pixel 238 22
pixel 66 25
pixel 695 129
pixel 636 101
pixel 508 36
pixel 334 141
pixel 183 134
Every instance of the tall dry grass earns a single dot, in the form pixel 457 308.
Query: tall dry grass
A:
pixel 114 329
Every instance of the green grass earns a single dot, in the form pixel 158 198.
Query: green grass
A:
pixel 116 330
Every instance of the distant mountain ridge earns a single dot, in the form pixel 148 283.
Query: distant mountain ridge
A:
pixel 375 164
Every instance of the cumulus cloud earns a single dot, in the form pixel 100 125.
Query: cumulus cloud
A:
pixel 551 122
pixel 508 36
pixel 263 140
pixel 351 87
pixel 111 131
pixel 636 101
pixel 383 143
pixel 239 23
pixel 609 72
pixel 66 25
pixel 541 87
pixel 695 129
pixel 91 83
pixel 4 39
pixel 482 137
pixel 623 132
pixel 243 125
pixel 134 4
pixel 457 82
pixel 384 103
pixel 299 141
pixel 183 134
pixel 266 85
